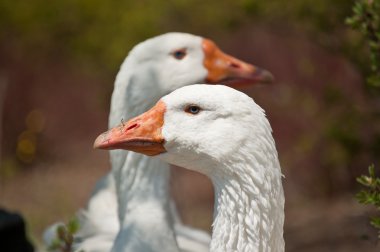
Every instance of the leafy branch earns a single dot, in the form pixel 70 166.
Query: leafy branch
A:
pixel 64 237
pixel 366 19
pixel 371 194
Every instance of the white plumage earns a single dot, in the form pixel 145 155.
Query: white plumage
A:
pixel 228 139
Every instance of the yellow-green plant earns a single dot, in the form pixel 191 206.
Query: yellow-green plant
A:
pixel 65 236
pixel 366 19
pixel 370 195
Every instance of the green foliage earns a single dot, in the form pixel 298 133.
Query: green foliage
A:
pixel 371 194
pixel 366 19
pixel 65 236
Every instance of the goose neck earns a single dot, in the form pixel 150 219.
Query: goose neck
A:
pixel 249 210
pixel 141 181
pixel 145 222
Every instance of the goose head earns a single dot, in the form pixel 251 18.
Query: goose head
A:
pixel 170 61
pixel 196 127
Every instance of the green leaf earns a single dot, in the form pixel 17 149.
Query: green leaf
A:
pixel 375 221
pixel 73 226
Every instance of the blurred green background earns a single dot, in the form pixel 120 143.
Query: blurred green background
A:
pixel 58 60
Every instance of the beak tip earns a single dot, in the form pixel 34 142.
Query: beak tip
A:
pixel 96 144
pixel 100 142
pixel 268 77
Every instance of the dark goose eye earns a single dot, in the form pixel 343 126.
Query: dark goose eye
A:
pixel 179 54
pixel 192 109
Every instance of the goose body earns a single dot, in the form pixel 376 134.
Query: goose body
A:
pixel 133 201
pixel 224 134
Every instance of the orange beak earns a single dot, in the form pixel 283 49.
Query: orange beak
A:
pixel 225 69
pixel 141 134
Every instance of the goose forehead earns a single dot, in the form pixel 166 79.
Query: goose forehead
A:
pixel 168 42
pixel 217 95
pixel 179 39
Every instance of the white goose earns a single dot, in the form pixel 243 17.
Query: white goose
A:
pixel 225 135
pixel 143 208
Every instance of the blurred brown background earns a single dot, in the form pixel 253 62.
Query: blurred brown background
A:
pixel 58 60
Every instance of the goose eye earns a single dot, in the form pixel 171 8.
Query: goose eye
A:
pixel 192 109
pixel 179 54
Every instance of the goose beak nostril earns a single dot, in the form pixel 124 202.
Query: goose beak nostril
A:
pixel 141 134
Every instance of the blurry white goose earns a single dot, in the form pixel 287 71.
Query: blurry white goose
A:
pixel 225 135
pixel 148 218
